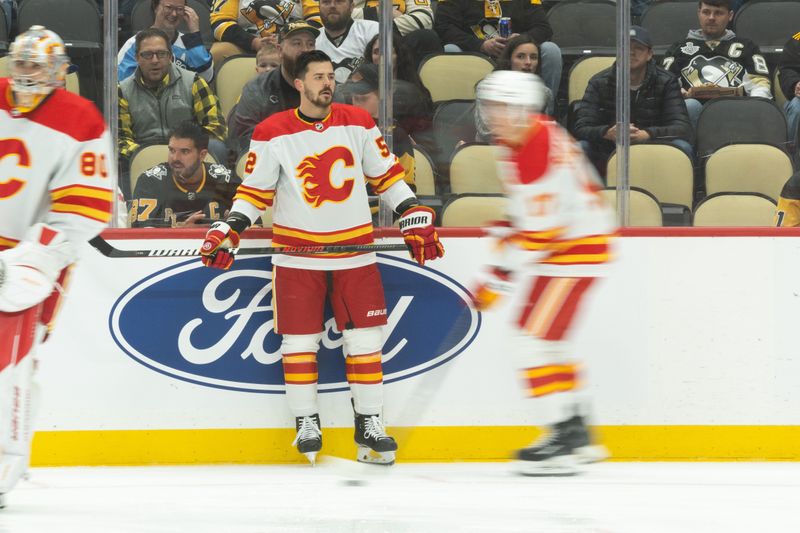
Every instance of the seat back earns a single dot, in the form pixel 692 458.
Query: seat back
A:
pixel 77 22
pixel 735 209
pixel 424 177
pixel 660 169
pixel 583 27
pixel 142 17
pixel 150 156
pixel 232 76
pixel 5 30
pixel 759 168
pixel 453 122
pixel 645 210
pixel 730 120
pixel 582 71
pixel 768 23
pixel 473 169
pixel 73 85
pixel 668 22
pixel 473 210
pixel 453 76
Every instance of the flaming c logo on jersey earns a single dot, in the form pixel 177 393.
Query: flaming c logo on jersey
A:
pixel 16 147
pixel 315 171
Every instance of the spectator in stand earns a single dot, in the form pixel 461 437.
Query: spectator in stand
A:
pixel 520 54
pixel 658 112
pixel 343 38
pixel 268 58
pixel 185 190
pixel 244 26
pixel 470 26
pixel 274 91
pixel 713 58
pixel 413 106
pixel 188 51
pixel 160 95
pixel 789 66
pixel 413 19
pixel 362 89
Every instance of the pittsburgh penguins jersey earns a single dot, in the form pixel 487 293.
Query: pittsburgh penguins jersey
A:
pixel 415 14
pixel 788 212
pixel 347 50
pixel 314 174
pixel 238 21
pixel 160 201
pixel 54 167
pixel 728 62
pixel 558 217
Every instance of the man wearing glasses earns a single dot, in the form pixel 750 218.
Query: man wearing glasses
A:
pixel 160 95
pixel 188 51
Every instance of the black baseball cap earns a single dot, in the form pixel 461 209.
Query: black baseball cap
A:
pixel 641 36
pixel 368 82
pixel 295 27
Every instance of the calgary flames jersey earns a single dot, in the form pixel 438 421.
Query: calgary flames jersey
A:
pixel 54 167
pixel 316 175
pixel 554 205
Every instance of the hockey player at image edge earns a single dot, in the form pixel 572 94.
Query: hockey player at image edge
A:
pixel 552 247
pixel 311 166
pixel 55 193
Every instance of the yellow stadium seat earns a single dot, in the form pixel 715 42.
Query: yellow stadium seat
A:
pixel 645 210
pixel 760 168
pixel 424 177
pixel 473 210
pixel 473 169
pixel 453 76
pixel 582 71
pixel 660 169
pixel 232 76
pixel 735 209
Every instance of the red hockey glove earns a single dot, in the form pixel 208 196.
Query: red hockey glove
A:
pixel 216 249
pixel 493 285
pixel 416 224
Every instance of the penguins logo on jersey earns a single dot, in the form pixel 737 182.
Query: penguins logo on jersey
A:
pixel 316 172
pixel 159 172
pixel 718 70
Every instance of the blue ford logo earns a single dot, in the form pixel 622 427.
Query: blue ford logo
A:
pixel 215 328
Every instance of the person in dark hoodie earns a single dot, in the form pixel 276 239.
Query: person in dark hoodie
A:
pixel 714 56
pixel 789 66
pixel 658 112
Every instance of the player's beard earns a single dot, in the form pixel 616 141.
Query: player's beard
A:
pixel 320 100
pixel 185 174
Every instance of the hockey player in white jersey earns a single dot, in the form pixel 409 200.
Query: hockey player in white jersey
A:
pixel 311 165
pixel 55 193
pixel 555 243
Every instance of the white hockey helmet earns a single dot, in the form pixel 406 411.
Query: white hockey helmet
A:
pixel 514 88
pixel 44 48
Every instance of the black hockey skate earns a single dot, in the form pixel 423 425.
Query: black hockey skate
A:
pixel 567 445
pixel 309 437
pixel 375 446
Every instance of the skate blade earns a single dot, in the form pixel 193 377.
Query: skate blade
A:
pixel 369 456
pixel 312 457
pixel 594 453
pixel 566 465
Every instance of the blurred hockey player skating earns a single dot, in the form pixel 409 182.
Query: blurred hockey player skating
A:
pixel 312 162
pixel 555 243
pixel 55 193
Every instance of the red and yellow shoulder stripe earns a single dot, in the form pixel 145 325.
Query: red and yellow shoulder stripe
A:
pixel 94 203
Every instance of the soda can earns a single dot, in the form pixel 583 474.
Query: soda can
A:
pixel 504 27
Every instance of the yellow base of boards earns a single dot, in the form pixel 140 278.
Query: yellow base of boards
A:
pixel 422 444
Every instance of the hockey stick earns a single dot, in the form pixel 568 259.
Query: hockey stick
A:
pixel 103 246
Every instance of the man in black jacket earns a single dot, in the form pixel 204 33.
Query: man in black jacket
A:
pixel 789 66
pixel 658 111
pixel 272 91
pixel 472 26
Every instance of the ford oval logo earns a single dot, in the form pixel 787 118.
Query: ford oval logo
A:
pixel 215 328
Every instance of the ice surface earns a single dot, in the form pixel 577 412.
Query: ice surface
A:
pixel 408 498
